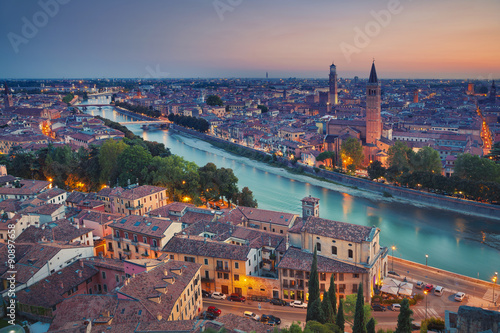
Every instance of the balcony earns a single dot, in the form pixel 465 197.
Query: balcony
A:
pixel 134 207
pixel 222 269
pixel 126 250
pixel 207 280
pixel 134 243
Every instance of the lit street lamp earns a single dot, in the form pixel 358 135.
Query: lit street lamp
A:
pixel 426 257
pixel 426 292
pixel 393 248
pixel 494 283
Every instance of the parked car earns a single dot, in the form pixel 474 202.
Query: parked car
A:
pixel 393 273
pixel 298 304
pixel 395 307
pixel 270 320
pixel 428 287
pixel 237 298
pixel 378 307
pixel 214 310
pixel 207 315
pixel 251 315
pixel 277 301
pixel 459 297
pixel 218 295
pixel 420 285
pixel 205 293
pixel 439 291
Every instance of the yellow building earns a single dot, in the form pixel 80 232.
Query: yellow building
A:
pixel 135 201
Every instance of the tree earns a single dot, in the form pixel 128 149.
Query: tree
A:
pixel 495 152
pixel 133 165
pixel 317 311
pixel 376 170
pixel 313 287
pixel 263 108
pixel 226 180
pixel 398 156
pixel 327 309
pixel 476 168
pixel 352 153
pixel 332 299
pixel 245 198
pixel 340 320
pixel 370 327
pixel 426 160
pixel 328 156
pixel 208 187
pixel 404 318
pixel 214 100
pixel 359 314
pixel 108 157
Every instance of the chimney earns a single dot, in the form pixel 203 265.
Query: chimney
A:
pixel 80 274
pixel 287 244
pixel 81 264
pixel 61 285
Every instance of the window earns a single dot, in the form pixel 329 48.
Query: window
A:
pixel 285 272
pixel 281 231
pixel 135 238
pixel 155 244
pixel 322 276
pixel 189 259
pixel 103 275
pixel 207 276
pixel 236 277
pixel 354 288
pixel 341 276
pixel 318 246
pixel 206 261
pixel 355 276
pixel 236 265
pixel 117 278
pixel 145 240
pixel 350 254
pixel 105 287
pixel 126 235
pixel 172 256
pixel 119 245
pixel 334 250
pixel 117 234
pixel 219 275
pixel 322 287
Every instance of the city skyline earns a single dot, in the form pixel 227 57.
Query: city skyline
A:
pixel 237 38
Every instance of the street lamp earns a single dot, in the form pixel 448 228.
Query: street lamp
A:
pixel 494 283
pixel 393 248
pixel 426 292
pixel 426 257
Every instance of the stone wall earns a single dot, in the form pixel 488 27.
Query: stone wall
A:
pixel 475 320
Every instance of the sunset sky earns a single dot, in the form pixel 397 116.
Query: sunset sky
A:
pixel 246 38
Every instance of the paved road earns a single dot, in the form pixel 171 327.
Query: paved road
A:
pixel 478 294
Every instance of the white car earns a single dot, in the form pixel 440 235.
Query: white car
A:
pixel 459 297
pixel 396 307
pixel 298 304
pixel 251 315
pixel 218 295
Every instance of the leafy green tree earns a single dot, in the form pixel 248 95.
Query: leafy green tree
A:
pixel 133 163
pixel 495 152
pixel 370 326
pixel 404 318
pixel 426 160
pixel 313 326
pixel 328 157
pixel 359 314
pixel 376 170
pixel 263 108
pixel 209 188
pixel 476 168
pixel 227 182
pixel 245 198
pixel 352 153
pixel 340 320
pixel 68 98
pixel 214 100
pixel 398 156
pixel 313 287
pixel 108 157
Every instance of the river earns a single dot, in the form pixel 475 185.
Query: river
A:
pixel 453 241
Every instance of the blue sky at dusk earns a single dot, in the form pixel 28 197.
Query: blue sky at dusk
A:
pixel 246 38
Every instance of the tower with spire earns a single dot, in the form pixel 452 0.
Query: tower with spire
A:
pixel 493 92
pixel 7 97
pixel 373 117
pixel 332 82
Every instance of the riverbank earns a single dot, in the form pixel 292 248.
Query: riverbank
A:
pixel 357 186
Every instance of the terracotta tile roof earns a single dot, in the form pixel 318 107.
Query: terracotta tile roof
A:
pixel 50 291
pixel 105 263
pixel 138 192
pixel 28 187
pixel 334 229
pixel 232 322
pixel 47 209
pixel 10 205
pixel 60 231
pixel 143 285
pixel 97 216
pixel 234 216
pixel 299 260
pixel 268 216
pixel 150 226
pixel 50 194
pixel 200 246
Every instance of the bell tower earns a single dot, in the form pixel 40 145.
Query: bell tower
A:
pixel 373 117
pixel 332 82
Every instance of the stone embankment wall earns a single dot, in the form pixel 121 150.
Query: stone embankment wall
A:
pixel 431 199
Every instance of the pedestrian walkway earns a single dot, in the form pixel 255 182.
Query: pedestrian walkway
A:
pixel 488 295
pixel 419 312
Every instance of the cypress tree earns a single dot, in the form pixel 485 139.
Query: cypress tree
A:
pixel 317 311
pixel 326 305
pixel 359 313
pixel 332 295
pixel 404 318
pixel 340 321
pixel 313 286
pixel 370 327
